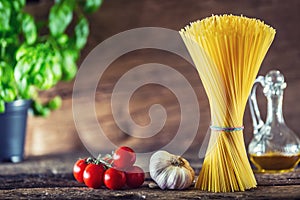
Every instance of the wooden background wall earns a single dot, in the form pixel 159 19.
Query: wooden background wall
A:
pixel 57 133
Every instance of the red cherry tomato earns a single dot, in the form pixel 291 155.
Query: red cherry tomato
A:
pixel 78 169
pixel 123 158
pixel 135 177
pixel 114 179
pixel 93 175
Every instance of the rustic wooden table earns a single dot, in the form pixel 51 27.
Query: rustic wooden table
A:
pixel 50 177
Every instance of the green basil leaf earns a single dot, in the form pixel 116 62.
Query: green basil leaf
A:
pixel 55 103
pixel 69 66
pixel 26 93
pixel 40 109
pixel 56 70
pixel 92 5
pixel 70 72
pixel 48 77
pixel 29 29
pixel 60 16
pixel 5 13
pixel 44 80
pixel 36 66
pixel 8 71
pixel 23 50
pixel 24 88
pixel 2 106
pixel 63 39
pixel 3 65
pixel 18 4
pixel 8 90
pixel 8 94
pixel 81 33
pixel 74 53
pixel 22 68
pixel 38 80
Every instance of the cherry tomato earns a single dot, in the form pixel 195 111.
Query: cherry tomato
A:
pixel 78 169
pixel 114 179
pixel 135 177
pixel 123 158
pixel 93 175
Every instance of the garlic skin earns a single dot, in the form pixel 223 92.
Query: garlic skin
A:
pixel 170 171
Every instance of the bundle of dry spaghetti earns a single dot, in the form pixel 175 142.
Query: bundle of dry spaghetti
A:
pixel 227 51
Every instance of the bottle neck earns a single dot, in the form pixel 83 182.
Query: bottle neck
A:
pixel 274 111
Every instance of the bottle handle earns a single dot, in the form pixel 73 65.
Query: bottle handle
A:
pixel 258 123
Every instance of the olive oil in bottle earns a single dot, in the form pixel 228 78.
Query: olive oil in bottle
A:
pixel 274 147
pixel 274 162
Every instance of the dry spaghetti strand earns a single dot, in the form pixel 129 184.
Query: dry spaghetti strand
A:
pixel 227 51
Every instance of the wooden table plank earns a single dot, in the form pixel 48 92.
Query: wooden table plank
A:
pixel 51 177
pixel 261 192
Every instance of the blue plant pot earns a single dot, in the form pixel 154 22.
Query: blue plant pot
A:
pixel 13 124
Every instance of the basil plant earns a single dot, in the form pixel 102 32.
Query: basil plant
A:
pixel 36 55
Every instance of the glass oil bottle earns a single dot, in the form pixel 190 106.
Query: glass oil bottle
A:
pixel 274 147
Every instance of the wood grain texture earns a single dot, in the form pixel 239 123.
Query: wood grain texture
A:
pixel 57 133
pixel 49 177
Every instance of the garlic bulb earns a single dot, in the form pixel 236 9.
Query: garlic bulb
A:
pixel 170 171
